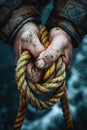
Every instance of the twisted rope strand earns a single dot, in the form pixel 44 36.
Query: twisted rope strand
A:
pixel 51 89
pixel 21 114
pixel 66 111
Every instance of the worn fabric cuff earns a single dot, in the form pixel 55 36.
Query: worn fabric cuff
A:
pixel 67 26
pixel 19 17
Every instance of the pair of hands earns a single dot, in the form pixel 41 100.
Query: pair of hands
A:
pixel 28 38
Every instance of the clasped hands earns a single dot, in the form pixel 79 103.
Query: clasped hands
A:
pixel 28 38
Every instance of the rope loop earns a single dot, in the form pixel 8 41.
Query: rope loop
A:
pixel 45 94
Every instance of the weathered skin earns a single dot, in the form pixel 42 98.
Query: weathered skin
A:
pixel 33 73
pixel 60 45
pixel 69 16
pixel 28 39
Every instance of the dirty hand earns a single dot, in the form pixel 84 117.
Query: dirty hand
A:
pixel 28 39
pixel 60 44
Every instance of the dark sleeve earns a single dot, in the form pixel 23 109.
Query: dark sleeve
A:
pixel 71 16
pixel 15 13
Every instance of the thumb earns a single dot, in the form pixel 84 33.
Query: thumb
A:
pixel 49 56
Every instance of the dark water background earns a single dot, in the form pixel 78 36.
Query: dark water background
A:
pixel 53 118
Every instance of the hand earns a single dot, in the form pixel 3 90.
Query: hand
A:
pixel 60 44
pixel 28 39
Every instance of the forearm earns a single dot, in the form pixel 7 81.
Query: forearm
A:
pixel 70 15
pixel 17 13
pixel 16 19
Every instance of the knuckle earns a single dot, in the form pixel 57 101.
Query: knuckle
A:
pixel 25 35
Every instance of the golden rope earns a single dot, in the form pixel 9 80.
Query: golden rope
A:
pixel 45 94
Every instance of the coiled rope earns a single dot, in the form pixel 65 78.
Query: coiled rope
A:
pixel 47 92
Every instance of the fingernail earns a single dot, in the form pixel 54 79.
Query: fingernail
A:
pixel 40 64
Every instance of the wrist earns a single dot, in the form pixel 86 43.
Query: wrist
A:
pixel 30 26
pixel 17 20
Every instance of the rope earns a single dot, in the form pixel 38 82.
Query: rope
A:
pixel 47 92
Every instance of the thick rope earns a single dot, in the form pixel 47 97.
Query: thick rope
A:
pixel 21 114
pixel 66 112
pixel 47 92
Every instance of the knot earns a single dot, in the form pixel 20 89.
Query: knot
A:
pixel 48 91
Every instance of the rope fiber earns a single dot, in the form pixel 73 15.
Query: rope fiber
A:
pixel 47 92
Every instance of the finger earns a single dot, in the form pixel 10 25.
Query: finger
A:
pixel 67 56
pixel 30 39
pixel 34 44
pixel 47 57
pixel 66 59
pixel 59 41
pixel 18 50
pixel 33 73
